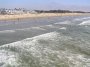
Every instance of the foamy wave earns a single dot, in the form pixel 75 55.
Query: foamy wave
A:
pixel 27 29
pixel 65 22
pixel 24 29
pixel 63 28
pixel 43 50
pixel 7 58
pixel 7 31
pixel 38 28
pixel 51 26
pixel 85 23
pixel 80 19
pixel 86 18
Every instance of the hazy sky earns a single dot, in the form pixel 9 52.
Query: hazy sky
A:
pixel 47 4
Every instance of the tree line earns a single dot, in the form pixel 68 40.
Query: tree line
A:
pixel 58 11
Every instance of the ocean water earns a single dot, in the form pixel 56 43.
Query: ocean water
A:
pixel 45 42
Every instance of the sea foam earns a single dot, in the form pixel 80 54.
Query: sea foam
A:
pixel 85 22
pixel 46 50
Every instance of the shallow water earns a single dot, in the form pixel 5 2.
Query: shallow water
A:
pixel 45 42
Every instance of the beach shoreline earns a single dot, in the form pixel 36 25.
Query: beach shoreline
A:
pixel 37 15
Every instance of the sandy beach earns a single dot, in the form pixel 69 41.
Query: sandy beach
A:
pixel 21 16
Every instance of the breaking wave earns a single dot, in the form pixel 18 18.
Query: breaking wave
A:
pixel 46 50
pixel 63 28
pixel 34 28
pixel 65 22
pixel 51 26
pixel 38 28
pixel 80 19
pixel 7 31
pixel 85 22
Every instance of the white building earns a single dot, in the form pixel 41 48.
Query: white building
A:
pixel 12 12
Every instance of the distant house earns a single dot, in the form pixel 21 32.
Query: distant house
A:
pixel 12 11
pixel 16 11
pixel 3 12
pixel 33 12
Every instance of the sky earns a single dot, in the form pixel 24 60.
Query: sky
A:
pixel 83 5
